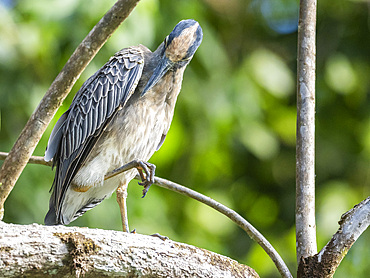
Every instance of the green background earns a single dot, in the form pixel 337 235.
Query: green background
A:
pixel 233 134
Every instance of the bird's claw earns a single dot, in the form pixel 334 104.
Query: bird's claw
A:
pixel 153 235
pixel 160 236
pixel 148 179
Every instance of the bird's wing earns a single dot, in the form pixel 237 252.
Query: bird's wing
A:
pixel 161 142
pixel 94 105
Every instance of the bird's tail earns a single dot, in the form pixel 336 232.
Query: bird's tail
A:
pixel 76 204
pixel 51 217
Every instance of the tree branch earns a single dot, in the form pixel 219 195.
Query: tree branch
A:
pixel 351 225
pixel 253 233
pixel 305 160
pixel 33 159
pixel 59 89
pixel 42 251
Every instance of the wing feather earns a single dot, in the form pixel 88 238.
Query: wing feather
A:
pixel 94 105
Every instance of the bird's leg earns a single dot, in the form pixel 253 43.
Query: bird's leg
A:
pixel 148 179
pixel 142 166
pixel 121 194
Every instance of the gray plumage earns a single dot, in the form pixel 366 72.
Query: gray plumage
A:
pixel 121 113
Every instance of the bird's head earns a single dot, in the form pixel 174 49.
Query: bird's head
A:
pixel 178 49
pixel 183 41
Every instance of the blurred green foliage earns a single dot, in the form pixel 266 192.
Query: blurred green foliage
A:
pixel 233 135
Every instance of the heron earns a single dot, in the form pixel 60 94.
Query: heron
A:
pixel 122 113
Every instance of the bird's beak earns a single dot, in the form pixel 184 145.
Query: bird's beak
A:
pixel 164 65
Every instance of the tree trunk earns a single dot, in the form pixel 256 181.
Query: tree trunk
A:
pixel 44 251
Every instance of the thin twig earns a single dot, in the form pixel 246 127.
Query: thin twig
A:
pixel 231 214
pixel 305 149
pixel 59 89
pixel 234 216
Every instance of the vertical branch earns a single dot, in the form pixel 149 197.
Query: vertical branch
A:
pixel 305 149
pixel 59 89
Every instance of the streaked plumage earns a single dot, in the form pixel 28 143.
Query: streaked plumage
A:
pixel 121 113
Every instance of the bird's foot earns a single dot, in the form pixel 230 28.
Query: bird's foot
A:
pixel 153 235
pixel 148 179
pixel 160 236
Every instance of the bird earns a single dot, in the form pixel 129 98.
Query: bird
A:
pixel 122 113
